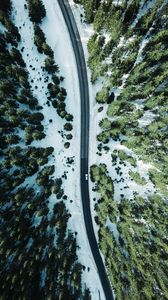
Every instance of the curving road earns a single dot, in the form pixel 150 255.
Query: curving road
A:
pixel 84 95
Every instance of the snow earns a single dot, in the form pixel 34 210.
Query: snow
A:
pixel 143 10
pixel 113 227
pixel 121 41
pixel 30 243
pixel 2 28
pixel 60 42
pixel 107 37
pixel 146 119
pixel 139 103
pixel 43 277
pixel 123 185
pixel 117 2
pixel 141 221
pixel 143 43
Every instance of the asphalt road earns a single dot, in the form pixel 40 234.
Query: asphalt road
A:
pixel 84 151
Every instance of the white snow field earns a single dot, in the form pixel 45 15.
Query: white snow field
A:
pixel 58 38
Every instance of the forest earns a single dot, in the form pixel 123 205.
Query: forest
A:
pixel 38 253
pixel 128 55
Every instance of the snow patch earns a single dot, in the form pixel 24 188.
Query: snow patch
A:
pixel 146 119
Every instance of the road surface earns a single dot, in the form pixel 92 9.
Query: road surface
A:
pixel 84 151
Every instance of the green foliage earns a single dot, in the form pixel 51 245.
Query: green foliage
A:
pixel 69 117
pixel 5 6
pixel 16 56
pixel 137 178
pixel 97 171
pixel 35 118
pixel 39 37
pixel 132 245
pixel 12 34
pixel 57 186
pixel 160 180
pixel 122 155
pixel 90 8
pixel 105 123
pixel 103 136
pixel 66 145
pixel 38 252
pixel 50 65
pixel 102 96
pixel 68 127
pixel 36 10
pixel 40 41
pixel 138 77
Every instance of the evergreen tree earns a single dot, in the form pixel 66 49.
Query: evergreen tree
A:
pixel 36 10
pixel 5 6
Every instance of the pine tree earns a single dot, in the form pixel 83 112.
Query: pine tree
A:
pixel 36 10
pixel 5 6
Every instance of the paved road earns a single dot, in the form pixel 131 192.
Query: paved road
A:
pixel 84 95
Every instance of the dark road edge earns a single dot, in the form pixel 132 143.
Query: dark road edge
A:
pixel 84 150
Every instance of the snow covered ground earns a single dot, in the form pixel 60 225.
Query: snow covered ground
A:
pixel 57 37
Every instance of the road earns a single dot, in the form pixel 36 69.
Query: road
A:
pixel 84 152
